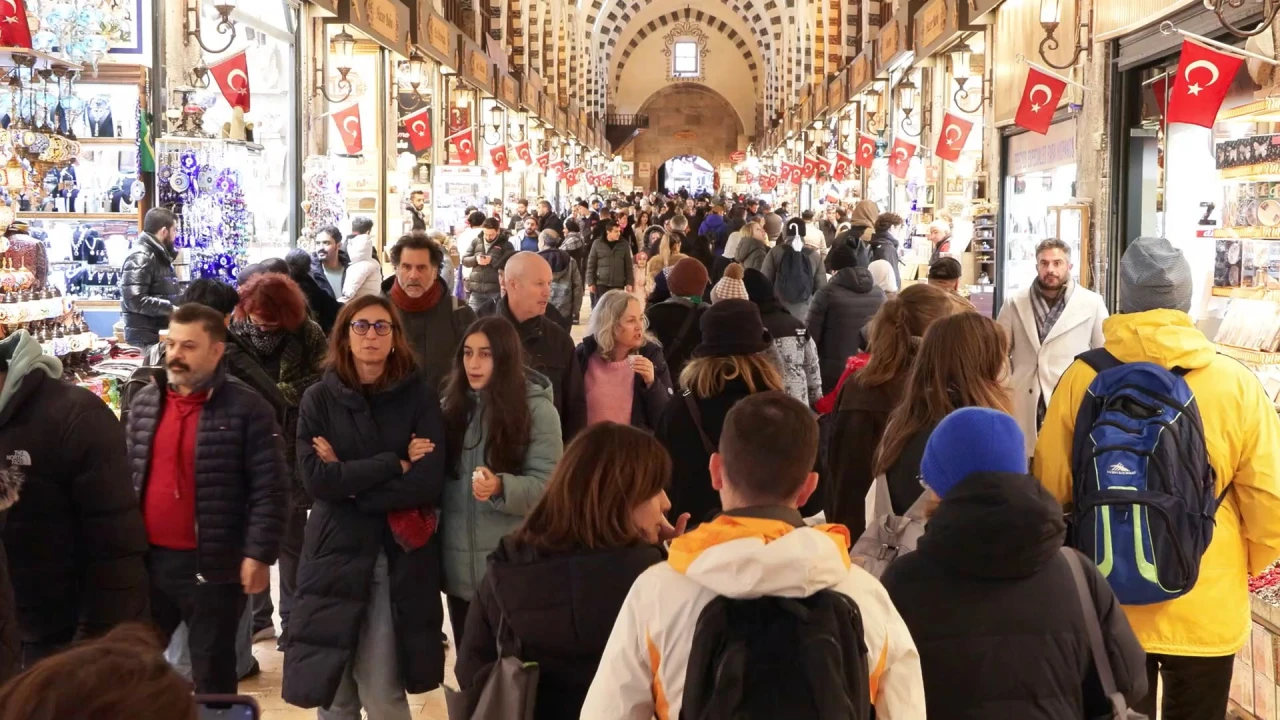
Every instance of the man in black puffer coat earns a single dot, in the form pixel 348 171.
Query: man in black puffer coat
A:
pixel 990 599
pixel 148 283
pixel 73 536
pixel 208 463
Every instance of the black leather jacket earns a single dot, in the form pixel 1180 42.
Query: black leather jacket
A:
pixel 148 287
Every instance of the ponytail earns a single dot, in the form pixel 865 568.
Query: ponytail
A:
pixel 897 328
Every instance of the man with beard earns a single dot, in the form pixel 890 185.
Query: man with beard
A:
pixel 417 213
pixel 1049 324
pixel 435 322
pixel 517 217
pixel 213 518
pixel 148 283
pixel 329 266
pixel 547 219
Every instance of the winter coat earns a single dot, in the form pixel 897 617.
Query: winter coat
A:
pixel 665 322
pixel 324 307
pixel 484 278
pixel 993 609
pixel 240 473
pixel 800 369
pixel 837 315
pixel 74 536
pixel 885 247
pixel 470 529
pixel 751 253
pixel 862 413
pixel 642 671
pixel 1036 366
pixel 528 243
pixel 10 641
pixel 566 284
pixel 364 274
pixel 714 229
pixel 610 266
pixel 348 528
pixel 549 350
pixel 690 490
pixel 551 221
pixel 242 364
pixel 648 401
pixel 1242 434
pixel 561 607
pixel 322 280
pixel 773 263
pixel 148 289
pixel 436 333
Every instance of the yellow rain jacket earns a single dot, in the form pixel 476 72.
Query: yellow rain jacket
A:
pixel 1242 433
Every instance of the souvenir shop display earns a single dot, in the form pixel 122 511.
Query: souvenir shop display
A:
pixel 200 180
pixel 324 200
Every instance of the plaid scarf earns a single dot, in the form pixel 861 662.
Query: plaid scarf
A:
pixel 1048 311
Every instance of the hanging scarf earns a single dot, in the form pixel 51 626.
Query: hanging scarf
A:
pixel 264 342
pixel 1048 311
pixel 409 304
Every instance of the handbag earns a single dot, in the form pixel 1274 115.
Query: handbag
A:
pixel 889 536
pixel 505 690
pixel 1101 661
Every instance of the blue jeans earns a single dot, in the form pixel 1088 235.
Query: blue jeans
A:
pixel 179 655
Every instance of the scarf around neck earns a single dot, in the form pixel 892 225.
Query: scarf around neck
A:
pixel 1048 311
pixel 263 342
pixel 406 303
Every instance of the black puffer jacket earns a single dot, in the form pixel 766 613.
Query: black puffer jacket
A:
pixel 348 528
pixel 484 278
pixel 10 645
pixel 549 349
pixel 647 402
pixel 74 536
pixel 666 320
pixel 241 476
pixel 836 318
pixel 148 288
pixel 885 247
pixel 561 607
pixel 610 265
pixel 993 610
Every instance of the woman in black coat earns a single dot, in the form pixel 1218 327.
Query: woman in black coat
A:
pixel 560 579
pixel 618 336
pixel 839 312
pixel 989 596
pixel 366 623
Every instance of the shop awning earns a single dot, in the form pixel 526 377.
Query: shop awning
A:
pixel 939 24
pixel 386 22
pixel 473 65
pixel 435 36
pixel 330 6
pixel 981 11
pixel 818 101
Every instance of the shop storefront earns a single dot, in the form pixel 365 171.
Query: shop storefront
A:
pixel 464 181
pixel 866 108
pixel 530 176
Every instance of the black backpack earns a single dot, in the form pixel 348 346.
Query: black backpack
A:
pixel 795 275
pixel 775 657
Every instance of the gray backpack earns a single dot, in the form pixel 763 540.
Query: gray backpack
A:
pixel 888 536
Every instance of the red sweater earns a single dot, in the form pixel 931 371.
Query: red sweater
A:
pixel 169 503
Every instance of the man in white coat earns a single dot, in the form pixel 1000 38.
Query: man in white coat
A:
pixel 1049 324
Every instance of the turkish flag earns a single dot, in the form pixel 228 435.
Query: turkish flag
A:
pixel 955 132
pixel 543 161
pixel 556 168
pixel 900 157
pixel 1204 77
pixel 784 171
pixel 14 31
pixel 348 122
pixel 866 150
pixel 824 167
pixel 418 125
pixel 797 173
pixel 810 170
pixel 522 152
pixel 840 172
pixel 499 157
pixel 464 144
pixel 232 75
pixel 1160 88
pixel 1040 97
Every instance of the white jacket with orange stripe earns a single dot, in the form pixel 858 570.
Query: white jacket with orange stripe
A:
pixel 642 672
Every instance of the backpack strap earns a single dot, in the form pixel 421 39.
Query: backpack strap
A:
pixel 1101 661
pixel 1100 360
pixel 696 414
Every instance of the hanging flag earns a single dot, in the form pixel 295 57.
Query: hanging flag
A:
pixel 499 157
pixel 955 132
pixel 464 144
pixel 1160 88
pixel 522 152
pixel 1204 77
pixel 840 172
pixel 543 161
pixel 900 157
pixel 824 167
pixel 14 31
pixel 418 125
pixel 784 171
pixel 232 75
pixel 348 122
pixel 866 150
pixel 556 168
pixel 809 170
pixel 1040 97
pixel 797 174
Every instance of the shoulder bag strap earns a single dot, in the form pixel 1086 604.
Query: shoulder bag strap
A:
pixel 511 643
pixel 1101 661
pixel 696 413
pixel 884 505
pixel 682 336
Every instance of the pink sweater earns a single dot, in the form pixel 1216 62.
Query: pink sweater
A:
pixel 610 390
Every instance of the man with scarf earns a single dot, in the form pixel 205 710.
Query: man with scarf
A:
pixel 1049 324
pixel 435 322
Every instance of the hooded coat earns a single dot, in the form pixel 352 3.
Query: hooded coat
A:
pixel 862 413
pixel 483 279
pixel 74 535
pixel 10 642
pixel 470 529
pixel 885 247
pixel 666 320
pixel 1242 434
pixel 560 606
pixel 992 607
pixel 773 264
pixel 348 528
pixel 837 315
pixel 690 490
pixel 751 253
pixel 566 284
pixel 364 274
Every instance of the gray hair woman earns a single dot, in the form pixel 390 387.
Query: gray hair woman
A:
pixel 623 368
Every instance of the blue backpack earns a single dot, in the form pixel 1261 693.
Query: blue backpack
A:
pixel 1144 500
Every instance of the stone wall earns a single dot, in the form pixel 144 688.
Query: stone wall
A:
pixel 687 119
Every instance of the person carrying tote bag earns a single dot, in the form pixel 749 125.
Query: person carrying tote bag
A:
pixel 888 536
pixel 510 690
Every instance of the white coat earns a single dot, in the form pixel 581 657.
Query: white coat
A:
pixel 1036 367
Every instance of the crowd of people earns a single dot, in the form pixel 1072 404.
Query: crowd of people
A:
pixel 770 481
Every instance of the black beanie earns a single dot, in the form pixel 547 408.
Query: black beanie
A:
pixel 759 289
pixel 841 257
pixel 732 327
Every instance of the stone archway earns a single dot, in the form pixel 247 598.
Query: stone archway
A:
pixel 692 172
pixel 687 119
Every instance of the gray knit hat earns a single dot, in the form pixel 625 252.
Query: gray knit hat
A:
pixel 1154 275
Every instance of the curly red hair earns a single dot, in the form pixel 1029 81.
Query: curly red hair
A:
pixel 273 297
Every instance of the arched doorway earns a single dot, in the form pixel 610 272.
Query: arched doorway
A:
pixel 692 173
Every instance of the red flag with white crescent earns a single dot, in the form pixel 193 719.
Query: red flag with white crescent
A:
pixel 840 172
pixel 499 157
pixel 824 166
pixel 900 157
pixel 955 132
pixel 464 144
pixel 866 150
pixel 418 126
pixel 1204 77
pixel 809 170
pixel 1040 98
pixel 543 161
pixel 14 30
pixel 348 122
pixel 522 152
pixel 232 75
pixel 557 168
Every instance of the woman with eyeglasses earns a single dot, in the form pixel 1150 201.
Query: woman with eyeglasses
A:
pixel 366 624
pixel 503 442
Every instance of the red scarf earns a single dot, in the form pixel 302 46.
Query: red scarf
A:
pixel 419 304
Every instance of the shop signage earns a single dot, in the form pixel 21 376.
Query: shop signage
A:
pixel 508 90
pixel 330 5
pixel 737 156
pixel 548 111
pixel 385 21
pixel 804 95
pixel 562 119
pixel 532 88
pixel 818 103
pixel 860 71
pixel 582 121
pixel 1030 152
pixel 938 24
pixel 836 92
pixel 435 36
pixel 890 42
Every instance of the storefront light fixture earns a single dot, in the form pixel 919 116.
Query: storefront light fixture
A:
pixel 414 73
pixel 907 103
pixel 961 72
pixel 226 26
pixel 496 121
pixel 1049 11
pixel 343 45
pixel 1220 8
pixel 515 128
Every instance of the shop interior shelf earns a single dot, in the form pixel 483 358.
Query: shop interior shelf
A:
pixel 76 216
pixel 1260 232
pixel 43 60
pixel 1257 172
pixel 186 140
pixel 107 141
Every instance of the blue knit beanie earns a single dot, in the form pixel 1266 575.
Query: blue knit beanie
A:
pixel 972 440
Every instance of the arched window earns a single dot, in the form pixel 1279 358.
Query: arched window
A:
pixel 686 45
pixel 685 62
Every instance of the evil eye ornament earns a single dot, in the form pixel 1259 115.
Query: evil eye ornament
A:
pixel 188 161
pixel 44 41
pixel 137 190
pixel 179 182
pixel 165 172
pixel 206 179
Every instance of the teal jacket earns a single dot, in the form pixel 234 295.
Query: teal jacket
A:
pixel 471 529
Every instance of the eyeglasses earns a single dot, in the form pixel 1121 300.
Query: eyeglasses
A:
pixel 382 327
